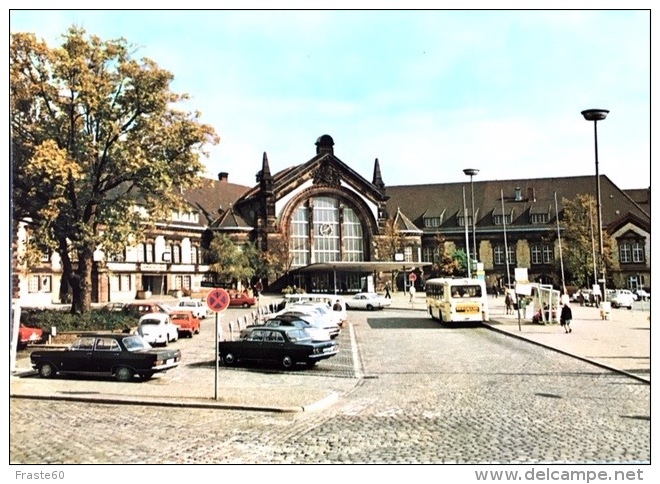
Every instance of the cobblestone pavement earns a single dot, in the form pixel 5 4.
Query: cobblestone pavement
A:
pixel 427 394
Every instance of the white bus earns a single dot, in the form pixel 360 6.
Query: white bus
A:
pixel 457 300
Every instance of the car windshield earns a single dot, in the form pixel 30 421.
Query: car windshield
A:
pixel 145 322
pixel 179 316
pixel 135 343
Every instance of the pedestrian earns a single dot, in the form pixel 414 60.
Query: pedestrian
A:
pixel 387 290
pixel 412 291
pixel 495 291
pixel 508 302
pixel 566 317
pixel 337 306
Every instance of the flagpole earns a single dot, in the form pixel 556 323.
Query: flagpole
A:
pixel 467 238
pixel 506 246
pixel 561 258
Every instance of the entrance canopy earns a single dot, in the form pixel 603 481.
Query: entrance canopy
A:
pixel 363 266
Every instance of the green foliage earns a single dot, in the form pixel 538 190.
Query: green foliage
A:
pixel 580 240
pixel 94 133
pixel 229 261
pixel 96 320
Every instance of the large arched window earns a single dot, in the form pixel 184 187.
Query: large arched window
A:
pixel 323 229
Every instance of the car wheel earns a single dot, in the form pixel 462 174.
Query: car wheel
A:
pixel 246 305
pixel 229 359
pixel 287 362
pixel 123 373
pixel 370 307
pixel 46 370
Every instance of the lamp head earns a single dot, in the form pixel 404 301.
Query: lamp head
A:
pixel 595 114
pixel 470 171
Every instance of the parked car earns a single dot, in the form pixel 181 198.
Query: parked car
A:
pixel 28 335
pixel 199 309
pixel 125 357
pixel 368 300
pixel 186 322
pixel 138 309
pixel 295 321
pixel 157 328
pixel 623 298
pixel 286 346
pixel 315 317
pixel 642 295
pixel 114 306
pixel 240 299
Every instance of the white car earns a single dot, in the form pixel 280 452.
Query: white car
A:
pixel 198 308
pixel 642 295
pixel 368 300
pixel 623 298
pixel 157 328
pixel 314 316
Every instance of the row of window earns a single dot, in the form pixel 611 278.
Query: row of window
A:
pixel 534 218
pixel 146 253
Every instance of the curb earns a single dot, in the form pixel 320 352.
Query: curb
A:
pixel 582 358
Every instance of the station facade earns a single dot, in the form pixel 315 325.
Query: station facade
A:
pixel 339 231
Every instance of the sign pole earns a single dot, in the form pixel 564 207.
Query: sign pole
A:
pixel 217 300
pixel 217 358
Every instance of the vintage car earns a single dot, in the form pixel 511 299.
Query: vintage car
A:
pixel 368 300
pixel 157 328
pixel 240 299
pixel 623 298
pixel 186 322
pixel 27 335
pixel 123 356
pixel 139 309
pixel 199 309
pixel 296 321
pixel 286 346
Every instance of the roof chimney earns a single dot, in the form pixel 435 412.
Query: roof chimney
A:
pixel 223 176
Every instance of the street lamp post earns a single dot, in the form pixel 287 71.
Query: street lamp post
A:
pixel 596 115
pixel 472 172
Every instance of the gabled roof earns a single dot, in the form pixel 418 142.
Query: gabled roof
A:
pixel 404 225
pixel 324 167
pixel 229 221
pixel 213 195
pixel 520 197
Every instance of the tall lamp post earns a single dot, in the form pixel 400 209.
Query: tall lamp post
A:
pixel 472 172
pixel 596 115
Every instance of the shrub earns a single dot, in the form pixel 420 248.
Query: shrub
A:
pixel 95 320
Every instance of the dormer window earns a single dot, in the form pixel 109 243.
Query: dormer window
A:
pixel 432 222
pixel 518 194
pixel 538 218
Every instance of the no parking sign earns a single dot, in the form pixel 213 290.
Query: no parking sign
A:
pixel 217 300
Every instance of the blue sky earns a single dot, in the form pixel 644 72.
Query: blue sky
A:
pixel 428 93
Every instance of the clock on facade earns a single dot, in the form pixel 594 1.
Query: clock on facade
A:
pixel 325 229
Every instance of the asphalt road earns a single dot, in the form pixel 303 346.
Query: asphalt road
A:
pixel 422 393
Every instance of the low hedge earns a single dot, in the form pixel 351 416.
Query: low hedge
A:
pixel 95 320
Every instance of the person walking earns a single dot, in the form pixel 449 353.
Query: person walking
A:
pixel 508 302
pixel 566 317
pixel 412 291
pixel 387 290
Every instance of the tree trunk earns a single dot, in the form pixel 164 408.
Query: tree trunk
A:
pixel 81 283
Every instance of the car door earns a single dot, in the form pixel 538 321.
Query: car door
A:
pixel 274 346
pixel 252 347
pixel 80 355
pixel 107 354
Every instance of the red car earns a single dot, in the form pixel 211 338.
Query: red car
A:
pixel 186 322
pixel 240 299
pixel 29 335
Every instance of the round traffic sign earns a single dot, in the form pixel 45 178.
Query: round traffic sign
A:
pixel 412 276
pixel 217 300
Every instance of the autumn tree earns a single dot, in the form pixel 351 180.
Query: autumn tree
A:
pixel 579 239
pixel 228 260
pixel 444 263
pixel 95 132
